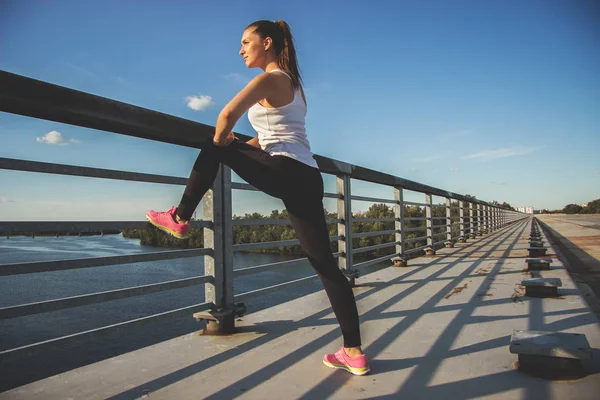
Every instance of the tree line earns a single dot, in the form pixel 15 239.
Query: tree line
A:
pixel 593 207
pixel 243 234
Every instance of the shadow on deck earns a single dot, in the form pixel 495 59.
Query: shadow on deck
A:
pixel 439 327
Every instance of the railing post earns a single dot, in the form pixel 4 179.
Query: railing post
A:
pixel 478 218
pixel 219 238
pixel 429 220
pixel 486 220
pixel 344 213
pixel 471 221
pixel 448 220
pixel 496 219
pixel 399 223
pixel 461 217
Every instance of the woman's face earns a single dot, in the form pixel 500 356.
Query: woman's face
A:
pixel 253 49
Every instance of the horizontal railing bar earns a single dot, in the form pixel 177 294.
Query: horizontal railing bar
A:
pixel 414 239
pixel 439 233
pixel 273 266
pixel 265 245
pixel 260 292
pixel 413 203
pixel 33 98
pixel 93 333
pixel 268 267
pixel 78 263
pixel 376 260
pixel 439 242
pixel 74 170
pixel 268 221
pixel 416 249
pixel 276 243
pixel 374 247
pixel 415 219
pixel 243 186
pixel 374 220
pixel 255 222
pixel 378 233
pixel 247 186
pixel 373 199
pixel 418 228
pixel 438 217
pixel 9 227
pixel 93 298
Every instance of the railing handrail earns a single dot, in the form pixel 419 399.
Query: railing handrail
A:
pixel 34 98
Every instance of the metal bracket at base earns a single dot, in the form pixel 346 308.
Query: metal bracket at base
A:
pixel 220 314
pixel 351 274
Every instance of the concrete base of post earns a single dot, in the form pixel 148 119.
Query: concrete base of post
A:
pixel 472 236
pixel 462 240
pixel 399 261
pixel 221 321
pixel 429 251
pixel 537 251
pixel 449 244
pixel 480 233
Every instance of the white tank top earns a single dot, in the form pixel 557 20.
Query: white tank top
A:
pixel 281 130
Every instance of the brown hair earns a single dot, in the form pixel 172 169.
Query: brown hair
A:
pixel 283 44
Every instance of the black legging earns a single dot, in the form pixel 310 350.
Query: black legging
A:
pixel 301 189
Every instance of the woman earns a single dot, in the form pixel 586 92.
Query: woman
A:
pixel 279 162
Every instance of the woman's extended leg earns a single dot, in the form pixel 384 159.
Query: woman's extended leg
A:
pixel 308 220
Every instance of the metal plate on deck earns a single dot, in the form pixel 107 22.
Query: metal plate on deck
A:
pixel 550 344
pixel 547 282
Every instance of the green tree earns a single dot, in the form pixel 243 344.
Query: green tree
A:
pixel 572 209
pixel 593 207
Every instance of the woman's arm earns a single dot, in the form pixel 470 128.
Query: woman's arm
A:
pixel 258 89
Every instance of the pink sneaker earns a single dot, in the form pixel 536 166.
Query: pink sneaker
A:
pixel 355 365
pixel 165 221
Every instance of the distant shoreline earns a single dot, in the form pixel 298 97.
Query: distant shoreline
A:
pixel 57 234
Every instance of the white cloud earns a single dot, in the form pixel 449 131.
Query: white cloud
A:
pixel 414 169
pixel 428 159
pixel 237 78
pixel 80 69
pixel 6 200
pixel 454 169
pixel 502 183
pixel 488 155
pixel 54 137
pixel 199 103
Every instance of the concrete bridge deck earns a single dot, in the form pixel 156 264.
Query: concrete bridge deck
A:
pixel 439 328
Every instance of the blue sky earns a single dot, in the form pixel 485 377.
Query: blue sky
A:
pixel 497 99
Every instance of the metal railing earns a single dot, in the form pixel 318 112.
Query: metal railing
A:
pixel 464 217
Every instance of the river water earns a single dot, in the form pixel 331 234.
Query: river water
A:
pixel 29 288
